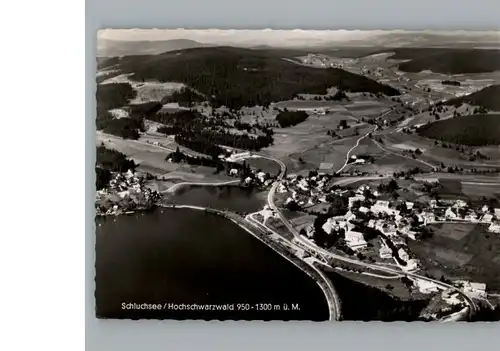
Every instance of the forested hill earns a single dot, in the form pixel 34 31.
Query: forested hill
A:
pixel 474 130
pixel 448 61
pixel 488 97
pixel 237 77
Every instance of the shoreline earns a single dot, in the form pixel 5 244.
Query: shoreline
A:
pixel 332 312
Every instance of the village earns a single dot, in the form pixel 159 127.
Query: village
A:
pixel 369 223
pixel 125 194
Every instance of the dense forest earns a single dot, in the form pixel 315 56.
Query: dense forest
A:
pixel 107 161
pixel 102 177
pixel 291 118
pixel 113 160
pixel 111 96
pixel 203 134
pixel 178 157
pixel 473 130
pixel 236 77
pixel 448 60
pixel 488 97
pixel 185 97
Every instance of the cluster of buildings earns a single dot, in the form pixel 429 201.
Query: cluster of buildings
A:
pixel 398 222
pixel 126 192
pixel 459 211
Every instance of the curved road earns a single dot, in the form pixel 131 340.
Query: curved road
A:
pixel 325 253
pixel 332 298
pixel 352 148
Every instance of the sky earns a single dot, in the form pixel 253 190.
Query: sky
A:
pixel 276 37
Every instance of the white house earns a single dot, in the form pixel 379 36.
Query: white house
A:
pixel 353 199
pixel 411 265
pixel 460 203
pixel 364 209
pixel 494 228
pixel 487 218
pixel 261 176
pixel 329 226
pixel 355 240
pixel 474 290
pixel 450 214
pixel 428 217
pixel 385 251
pixel 310 231
pixel 424 286
pixel 282 189
pixel 403 254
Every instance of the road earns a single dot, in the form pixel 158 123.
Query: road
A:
pixel 332 299
pixel 358 141
pixel 351 149
pixel 400 155
pixel 328 254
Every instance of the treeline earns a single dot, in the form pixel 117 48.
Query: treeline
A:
pixel 107 161
pixel 144 110
pixel 486 98
pixel 473 130
pixel 237 77
pixel 113 160
pixel 185 97
pixel 291 118
pixel 111 96
pixel 207 141
pixel 199 143
pixel 107 75
pixel 198 133
pixel 177 157
pixel 448 60
pixel 127 128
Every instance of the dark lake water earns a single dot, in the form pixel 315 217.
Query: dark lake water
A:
pixel 221 197
pixel 188 256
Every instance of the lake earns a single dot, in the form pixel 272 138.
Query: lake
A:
pixel 230 197
pixel 187 256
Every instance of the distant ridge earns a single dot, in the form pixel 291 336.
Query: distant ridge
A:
pixel 113 48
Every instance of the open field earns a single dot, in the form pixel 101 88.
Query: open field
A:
pixel 264 165
pixel 454 231
pixel 384 162
pixel 146 91
pixel 487 97
pixel 437 154
pixel 303 220
pixel 461 251
pixel 309 141
pixel 149 157
pixel 476 190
